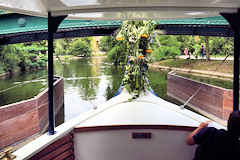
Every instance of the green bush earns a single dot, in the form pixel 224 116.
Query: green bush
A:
pixel 42 63
pixel 220 45
pixel 196 52
pixel 165 47
pixel 118 54
pixel 9 57
pixel 107 43
pixel 158 54
pixel 81 48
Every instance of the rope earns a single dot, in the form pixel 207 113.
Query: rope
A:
pixel 190 98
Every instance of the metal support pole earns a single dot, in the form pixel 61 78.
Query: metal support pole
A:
pixel 236 72
pixel 53 24
pixel 233 19
pixel 50 77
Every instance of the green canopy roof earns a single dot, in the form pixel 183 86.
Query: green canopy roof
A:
pixel 219 20
pixel 16 23
pixel 17 28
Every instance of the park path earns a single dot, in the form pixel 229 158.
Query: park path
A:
pixel 211 57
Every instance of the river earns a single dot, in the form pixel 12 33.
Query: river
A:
pixel 87 82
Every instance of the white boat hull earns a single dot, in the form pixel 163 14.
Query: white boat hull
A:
pixel 107 132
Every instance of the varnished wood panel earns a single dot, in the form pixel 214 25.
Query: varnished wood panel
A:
pixel 18 128
pixel 58 150
pixel 21 120
pixel 16 109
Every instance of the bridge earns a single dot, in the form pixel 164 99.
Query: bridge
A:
pixel 18 28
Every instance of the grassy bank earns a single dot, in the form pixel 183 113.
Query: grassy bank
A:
pixel 213 65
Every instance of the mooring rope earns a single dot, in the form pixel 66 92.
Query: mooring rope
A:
pixel 190 98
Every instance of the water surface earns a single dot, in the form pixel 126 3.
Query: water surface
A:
pixel 87 82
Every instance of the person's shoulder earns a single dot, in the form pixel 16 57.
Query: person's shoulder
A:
pixel 204 134
pixel 211 129
pixel 222 132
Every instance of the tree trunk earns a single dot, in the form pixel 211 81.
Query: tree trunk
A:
pixel 207 49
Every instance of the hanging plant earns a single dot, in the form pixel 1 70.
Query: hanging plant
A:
pixel 136 36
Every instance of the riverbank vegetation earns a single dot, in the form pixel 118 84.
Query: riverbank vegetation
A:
pixel 73 46
pixel 169 47
pixel 116 50
pixel 33 56
pixel 24 57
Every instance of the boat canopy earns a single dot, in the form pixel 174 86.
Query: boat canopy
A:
pixel 122 9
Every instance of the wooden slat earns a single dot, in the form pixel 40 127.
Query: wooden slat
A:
pixel 18 128
pixel 57 152
pixel 56 149
pixel 70 158
pixel 64 155
pixel 53 147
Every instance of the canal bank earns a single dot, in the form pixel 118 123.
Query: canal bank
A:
pixel 27 118
pixel 194 71
pixel 211 101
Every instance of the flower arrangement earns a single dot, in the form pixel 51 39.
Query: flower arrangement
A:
pixel 136 35
pixel 119 38
pixel 148 50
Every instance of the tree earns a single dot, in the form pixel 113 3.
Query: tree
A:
pixel 81 47
pixel 220 45
pixel 169 47
pixel 9 58
pixel 107 43
pixel 207 49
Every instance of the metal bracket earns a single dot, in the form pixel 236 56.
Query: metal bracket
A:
pixel 54 22
pixel 233 20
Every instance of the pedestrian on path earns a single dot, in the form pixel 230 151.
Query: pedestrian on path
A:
pixel 185 51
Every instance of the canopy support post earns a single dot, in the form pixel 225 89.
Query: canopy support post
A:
pixel 233 19
pixel 53 24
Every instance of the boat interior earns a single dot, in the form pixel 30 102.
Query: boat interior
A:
pixel 145 128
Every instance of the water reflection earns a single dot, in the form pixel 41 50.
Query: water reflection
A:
pixel 87 83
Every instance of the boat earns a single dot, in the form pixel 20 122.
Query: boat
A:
pixel 147 127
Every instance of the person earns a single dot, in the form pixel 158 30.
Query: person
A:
pixel 202 50
pixel 185 52
pixel 217 144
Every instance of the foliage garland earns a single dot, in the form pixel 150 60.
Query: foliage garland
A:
pixel 136 35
